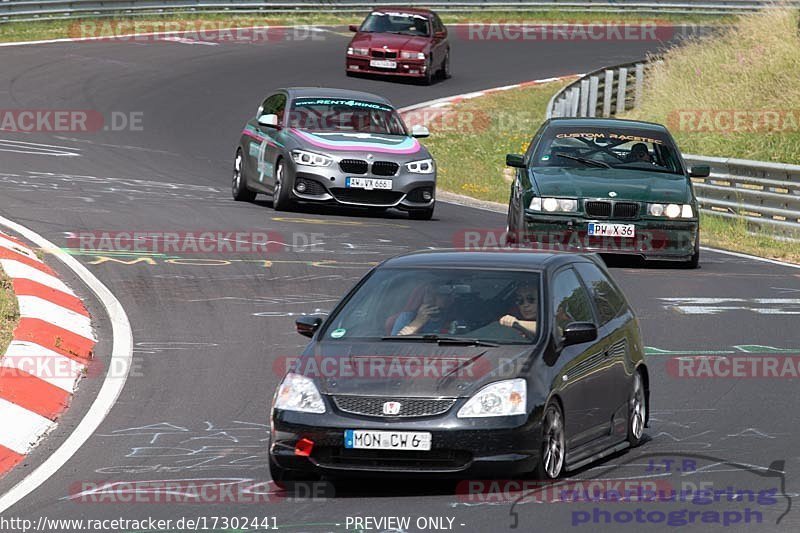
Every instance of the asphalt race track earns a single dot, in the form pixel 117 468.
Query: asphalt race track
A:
pixel 208 328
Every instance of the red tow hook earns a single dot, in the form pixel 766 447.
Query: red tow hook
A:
pixel 303 447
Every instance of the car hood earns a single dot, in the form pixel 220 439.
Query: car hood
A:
pixel 400 369
pixel 390 40
pixel 374 143
pixel 634 185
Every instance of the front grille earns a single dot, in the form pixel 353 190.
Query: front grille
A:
pixel 597 209
pixel 384 168
pixel 392 460
pixel 362 196
pixel 313 187
pixel 409 407
pixel 353 166
pixel 384 54
pixel 626 210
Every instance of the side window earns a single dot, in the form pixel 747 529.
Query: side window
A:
pixel 274 105
pixel 570 301
pixel 607 299
pixel 437 24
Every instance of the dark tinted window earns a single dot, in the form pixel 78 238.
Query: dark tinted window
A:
pixel 607 300
pixel 437 24
pixel 274 105
pixel 570 301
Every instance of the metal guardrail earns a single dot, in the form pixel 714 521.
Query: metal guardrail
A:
pixel 26 10
pixel 766 195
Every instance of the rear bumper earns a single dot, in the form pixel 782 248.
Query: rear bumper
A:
pixel 654 239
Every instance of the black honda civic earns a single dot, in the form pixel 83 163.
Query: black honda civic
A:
pixel 451 363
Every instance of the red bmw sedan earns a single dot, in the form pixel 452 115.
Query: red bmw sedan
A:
pixel 408 42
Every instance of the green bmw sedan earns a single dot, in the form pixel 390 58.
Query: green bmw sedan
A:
pixel 605 185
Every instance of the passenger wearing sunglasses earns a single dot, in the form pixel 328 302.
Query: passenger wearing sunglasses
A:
pixel 527 309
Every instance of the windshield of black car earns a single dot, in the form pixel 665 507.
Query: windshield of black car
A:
pixel 619 148
pixel 344 115
pixel 456 303
pixel 401 23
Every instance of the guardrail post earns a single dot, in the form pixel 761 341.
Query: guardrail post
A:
pixel 574 98
pixel 558 108
pixel 637 98
pixel 594 85
pixel 622 87
pixel 584 96
pixel 608 93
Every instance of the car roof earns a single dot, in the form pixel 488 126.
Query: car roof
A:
pixel 401 9
pixel 328 92
pixel 605 123
pixel 502 258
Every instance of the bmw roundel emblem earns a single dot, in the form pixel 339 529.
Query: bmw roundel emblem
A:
pixel 612 194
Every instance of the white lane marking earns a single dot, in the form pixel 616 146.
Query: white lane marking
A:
pixel 35 307
pixel 14 247
pixel 21 428
pixel 114 382
pixel 183 40
pixel 24 147
pixel 15 269
pixel 45 364
pixel 751 257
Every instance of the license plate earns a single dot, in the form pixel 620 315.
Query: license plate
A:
pixel 612 230
pixel 382 63
pixel 387 440
pixel 368 183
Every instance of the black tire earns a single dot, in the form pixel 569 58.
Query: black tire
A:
pixel 445 70
pixel 239 189
pixel 421 214
pixel 553 441
pixel 637 410
pixel 429 73
pixel 694 261
pixel 280 194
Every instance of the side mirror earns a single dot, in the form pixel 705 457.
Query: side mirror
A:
pixel 308 325
pixel 579 332
pixel 271 120
pixel 700 171
pixel 515 160
pixel 354 27
pixel 419 131
pixel 440 35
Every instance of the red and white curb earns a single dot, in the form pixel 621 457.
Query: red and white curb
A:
pixel 424 113
pixel 50 352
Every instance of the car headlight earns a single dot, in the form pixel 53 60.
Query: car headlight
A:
pixel 670 210
pixel 424 166
pixel 298 393
pixel 301 157
pixel 357 51
pixel 554 205
pixel 404 54
pixel 504 398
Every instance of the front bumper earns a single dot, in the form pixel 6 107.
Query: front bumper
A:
pixel 670 240
pixel 459 447
pixel 410 68
pixel 327 185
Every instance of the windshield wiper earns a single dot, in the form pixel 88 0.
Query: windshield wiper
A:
pixel 432 337
pixel 585 161
pixel 648 169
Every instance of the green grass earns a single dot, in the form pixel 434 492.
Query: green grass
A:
pixel 471 144
pixel 737 235
pixel 61 28
pixel 751 68
pixel 9 314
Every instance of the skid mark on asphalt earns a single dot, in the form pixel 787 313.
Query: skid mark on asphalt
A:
pixel 716 306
